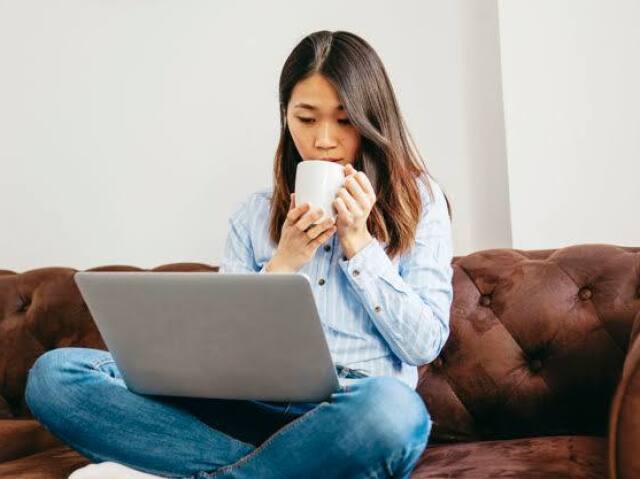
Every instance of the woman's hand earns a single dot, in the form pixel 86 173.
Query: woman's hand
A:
pixel 354 203
pixel 298 242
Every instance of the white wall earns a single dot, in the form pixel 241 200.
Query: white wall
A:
pixel 130 130
pixel 571 71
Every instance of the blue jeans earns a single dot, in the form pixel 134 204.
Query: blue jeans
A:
pixel 375 427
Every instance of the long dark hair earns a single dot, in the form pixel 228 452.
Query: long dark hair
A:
pixel 387 153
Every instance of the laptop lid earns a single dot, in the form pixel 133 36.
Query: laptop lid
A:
pixel 213 335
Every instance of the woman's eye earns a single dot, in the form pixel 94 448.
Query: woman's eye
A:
pixel 344 121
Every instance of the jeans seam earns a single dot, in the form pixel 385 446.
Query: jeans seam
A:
pixel 101 362
pixel 292 425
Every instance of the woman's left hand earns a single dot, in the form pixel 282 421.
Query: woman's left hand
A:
pixel 353 203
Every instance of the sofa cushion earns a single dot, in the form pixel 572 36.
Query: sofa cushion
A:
pixel 54 463
pixel 23 437
pixel 551 457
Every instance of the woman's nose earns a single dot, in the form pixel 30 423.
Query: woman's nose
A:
pixel 326 137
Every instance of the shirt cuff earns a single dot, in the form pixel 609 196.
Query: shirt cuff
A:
pixel 366 264
pixel 264 270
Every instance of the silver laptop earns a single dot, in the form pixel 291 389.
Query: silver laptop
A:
pixel 213 335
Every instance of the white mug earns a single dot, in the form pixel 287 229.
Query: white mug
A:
pixel 318 183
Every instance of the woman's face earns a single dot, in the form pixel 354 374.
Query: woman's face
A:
pixel 319 126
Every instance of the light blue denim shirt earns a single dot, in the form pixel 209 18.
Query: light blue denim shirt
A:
pixel 379 316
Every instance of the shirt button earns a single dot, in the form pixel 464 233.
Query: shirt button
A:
pixel 356 272
pixel 321 281
pixel 377 309
pixel 327 247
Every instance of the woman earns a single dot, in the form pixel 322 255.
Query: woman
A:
pixel 381 277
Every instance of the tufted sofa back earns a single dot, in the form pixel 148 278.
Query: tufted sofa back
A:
pixel 537 343
pixel 538 339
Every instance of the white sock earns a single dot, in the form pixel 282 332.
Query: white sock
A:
pixel 109 470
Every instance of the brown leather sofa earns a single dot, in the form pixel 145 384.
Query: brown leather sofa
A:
pixel 540 377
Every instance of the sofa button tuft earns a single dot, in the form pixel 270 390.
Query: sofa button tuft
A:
pixel 22 304
pixel 535 365
pixel 584 294
pixel 485 300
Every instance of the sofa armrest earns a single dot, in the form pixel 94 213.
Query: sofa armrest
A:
pixel 624 420
pixel 23 437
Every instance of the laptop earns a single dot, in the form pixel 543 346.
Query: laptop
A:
pixel 213 335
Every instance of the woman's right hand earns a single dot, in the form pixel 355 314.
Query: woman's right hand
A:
pixel 298 244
